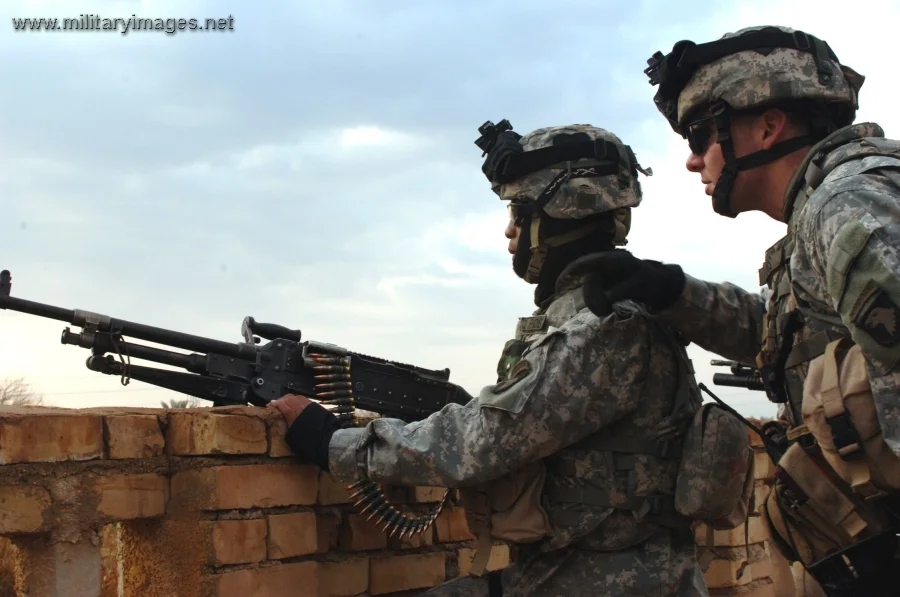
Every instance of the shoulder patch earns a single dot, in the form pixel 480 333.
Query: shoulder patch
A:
pixel 880 318
pixel 531 325
pixel 519 371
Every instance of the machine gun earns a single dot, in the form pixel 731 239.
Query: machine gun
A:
pixel 741 376
pixel 249 372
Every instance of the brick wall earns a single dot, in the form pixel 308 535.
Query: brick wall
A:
pixel 210 503
pixel 199 502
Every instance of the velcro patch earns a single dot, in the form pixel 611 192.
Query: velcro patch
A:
pixel 531 325
pixel 519 371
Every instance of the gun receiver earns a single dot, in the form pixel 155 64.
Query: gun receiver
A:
pixel 741 376
pixel 248 372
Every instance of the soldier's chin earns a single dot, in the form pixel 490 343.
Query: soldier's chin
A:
pixel 520 263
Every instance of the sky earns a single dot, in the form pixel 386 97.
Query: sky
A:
pixel 315 167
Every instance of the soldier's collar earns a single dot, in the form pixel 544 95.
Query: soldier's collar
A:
pixel 810 166
pixel 565 283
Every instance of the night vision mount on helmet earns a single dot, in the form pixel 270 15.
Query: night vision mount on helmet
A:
pixel 509 157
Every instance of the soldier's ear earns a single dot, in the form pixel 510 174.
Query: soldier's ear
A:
pixel 773 126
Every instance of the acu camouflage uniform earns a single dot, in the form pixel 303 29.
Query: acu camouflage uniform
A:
pixel 585 397
pixel 841 259
pixel 837 271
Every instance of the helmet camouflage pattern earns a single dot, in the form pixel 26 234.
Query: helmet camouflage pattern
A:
pixel 758 76
pixel 752 68
pixel 575 196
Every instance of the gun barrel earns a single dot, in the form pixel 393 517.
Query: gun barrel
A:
pixel 182 340
pixel 32 308
pixel 142 331
pixel 750 381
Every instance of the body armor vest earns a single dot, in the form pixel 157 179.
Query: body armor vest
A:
pixel 612 489
pixel 793 333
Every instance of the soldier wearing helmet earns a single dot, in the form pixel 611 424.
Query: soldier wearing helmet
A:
pixel 768 115
pixel 573 454
pixel 559 214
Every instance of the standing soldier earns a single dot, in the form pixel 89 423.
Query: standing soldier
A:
pixel 767 113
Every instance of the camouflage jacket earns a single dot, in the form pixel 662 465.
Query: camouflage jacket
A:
pixel 841 262
pixel 554 311
pixel 581 380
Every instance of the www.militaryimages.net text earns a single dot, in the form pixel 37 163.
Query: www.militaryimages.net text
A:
pixel 132 24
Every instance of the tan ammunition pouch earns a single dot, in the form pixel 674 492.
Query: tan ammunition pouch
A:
pixel 809 512
pixel 827 495
pixel 509 509
pixel 838 410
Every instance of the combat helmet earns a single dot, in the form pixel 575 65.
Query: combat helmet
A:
pixel 567 172
pixel 745 72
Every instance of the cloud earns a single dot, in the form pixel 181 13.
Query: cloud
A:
pixel 315 167
pixel 373 136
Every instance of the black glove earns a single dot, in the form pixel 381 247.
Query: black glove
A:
pixel 618 275
pixel 310 434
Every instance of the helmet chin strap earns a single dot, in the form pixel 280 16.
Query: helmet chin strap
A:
pixel 722 191
pixel 733 165
pixel 539 246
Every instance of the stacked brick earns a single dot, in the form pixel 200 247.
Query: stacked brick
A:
pixel 200 502
pixel 767 574
pixel 211 503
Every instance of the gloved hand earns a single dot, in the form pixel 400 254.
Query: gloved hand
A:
pixel 310 427
pixel 618 275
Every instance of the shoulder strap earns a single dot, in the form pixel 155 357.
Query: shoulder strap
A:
pixel 819 169
pixel 777 256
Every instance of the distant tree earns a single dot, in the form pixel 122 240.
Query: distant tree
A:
pixel 17 392
pixel 189 402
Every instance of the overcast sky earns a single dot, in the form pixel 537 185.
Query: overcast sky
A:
pixel 315 167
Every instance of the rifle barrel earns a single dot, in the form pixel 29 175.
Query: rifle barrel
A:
pixel 750 381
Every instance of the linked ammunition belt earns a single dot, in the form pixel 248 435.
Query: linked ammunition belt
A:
pixel 334 389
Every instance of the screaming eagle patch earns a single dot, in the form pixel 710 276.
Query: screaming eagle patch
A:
pixel 881 319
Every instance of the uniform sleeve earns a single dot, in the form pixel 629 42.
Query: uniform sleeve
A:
pixel 721 318
pixel 569 384
pixel 854 244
